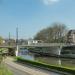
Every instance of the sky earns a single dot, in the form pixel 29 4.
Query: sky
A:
pixel 30 16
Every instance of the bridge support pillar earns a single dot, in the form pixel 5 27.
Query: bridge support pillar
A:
pixel 59 52
pixel 17 50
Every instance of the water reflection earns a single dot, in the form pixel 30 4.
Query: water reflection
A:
pixel 58 61
pixel 24 53
pixel 49 60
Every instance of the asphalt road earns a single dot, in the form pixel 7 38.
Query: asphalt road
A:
pixel 19 69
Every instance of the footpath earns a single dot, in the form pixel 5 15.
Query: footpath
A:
pixel 19 69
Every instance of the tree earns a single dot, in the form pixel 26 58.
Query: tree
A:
pixel 60 31
pixel 1 40
pixel 55 33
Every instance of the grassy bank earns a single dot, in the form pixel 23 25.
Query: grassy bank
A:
pixel 3 69
pixel 48 66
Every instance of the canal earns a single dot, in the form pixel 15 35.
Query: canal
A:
pixel 65 62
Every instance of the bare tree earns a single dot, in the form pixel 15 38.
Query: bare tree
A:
pixel 55 33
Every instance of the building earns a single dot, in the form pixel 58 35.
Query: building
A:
pixel 34 41
pixel 22 42
pixel 71 36
pixel 9 42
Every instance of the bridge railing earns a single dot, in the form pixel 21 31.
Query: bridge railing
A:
pixel 44 44
pixel 41 44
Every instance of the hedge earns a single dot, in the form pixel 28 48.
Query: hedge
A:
pixel 48 66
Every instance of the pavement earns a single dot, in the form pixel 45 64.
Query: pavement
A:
pixel 19 69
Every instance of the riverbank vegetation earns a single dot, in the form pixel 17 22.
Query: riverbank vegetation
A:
pixel 3 69
pixel 48 66
pixel 56 33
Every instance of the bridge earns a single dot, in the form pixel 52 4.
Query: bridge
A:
pixel 48 45
pixel 54 48
pixel 39 45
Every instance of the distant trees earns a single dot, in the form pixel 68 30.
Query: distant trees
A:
pixel 1 40
pixel 55 33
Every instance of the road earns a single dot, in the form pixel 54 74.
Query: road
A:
pixel 19 69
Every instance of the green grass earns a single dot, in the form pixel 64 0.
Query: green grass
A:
pixel 48 66
pixel 3 69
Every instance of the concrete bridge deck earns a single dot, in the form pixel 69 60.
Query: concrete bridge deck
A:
pixel 39 45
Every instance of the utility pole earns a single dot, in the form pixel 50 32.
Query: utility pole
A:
pixel 17 42
pixel 9 39
pixel 17 36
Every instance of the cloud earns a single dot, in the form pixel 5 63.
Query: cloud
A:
pixel 48 2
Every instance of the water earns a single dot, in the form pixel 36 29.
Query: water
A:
pixel 70 63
